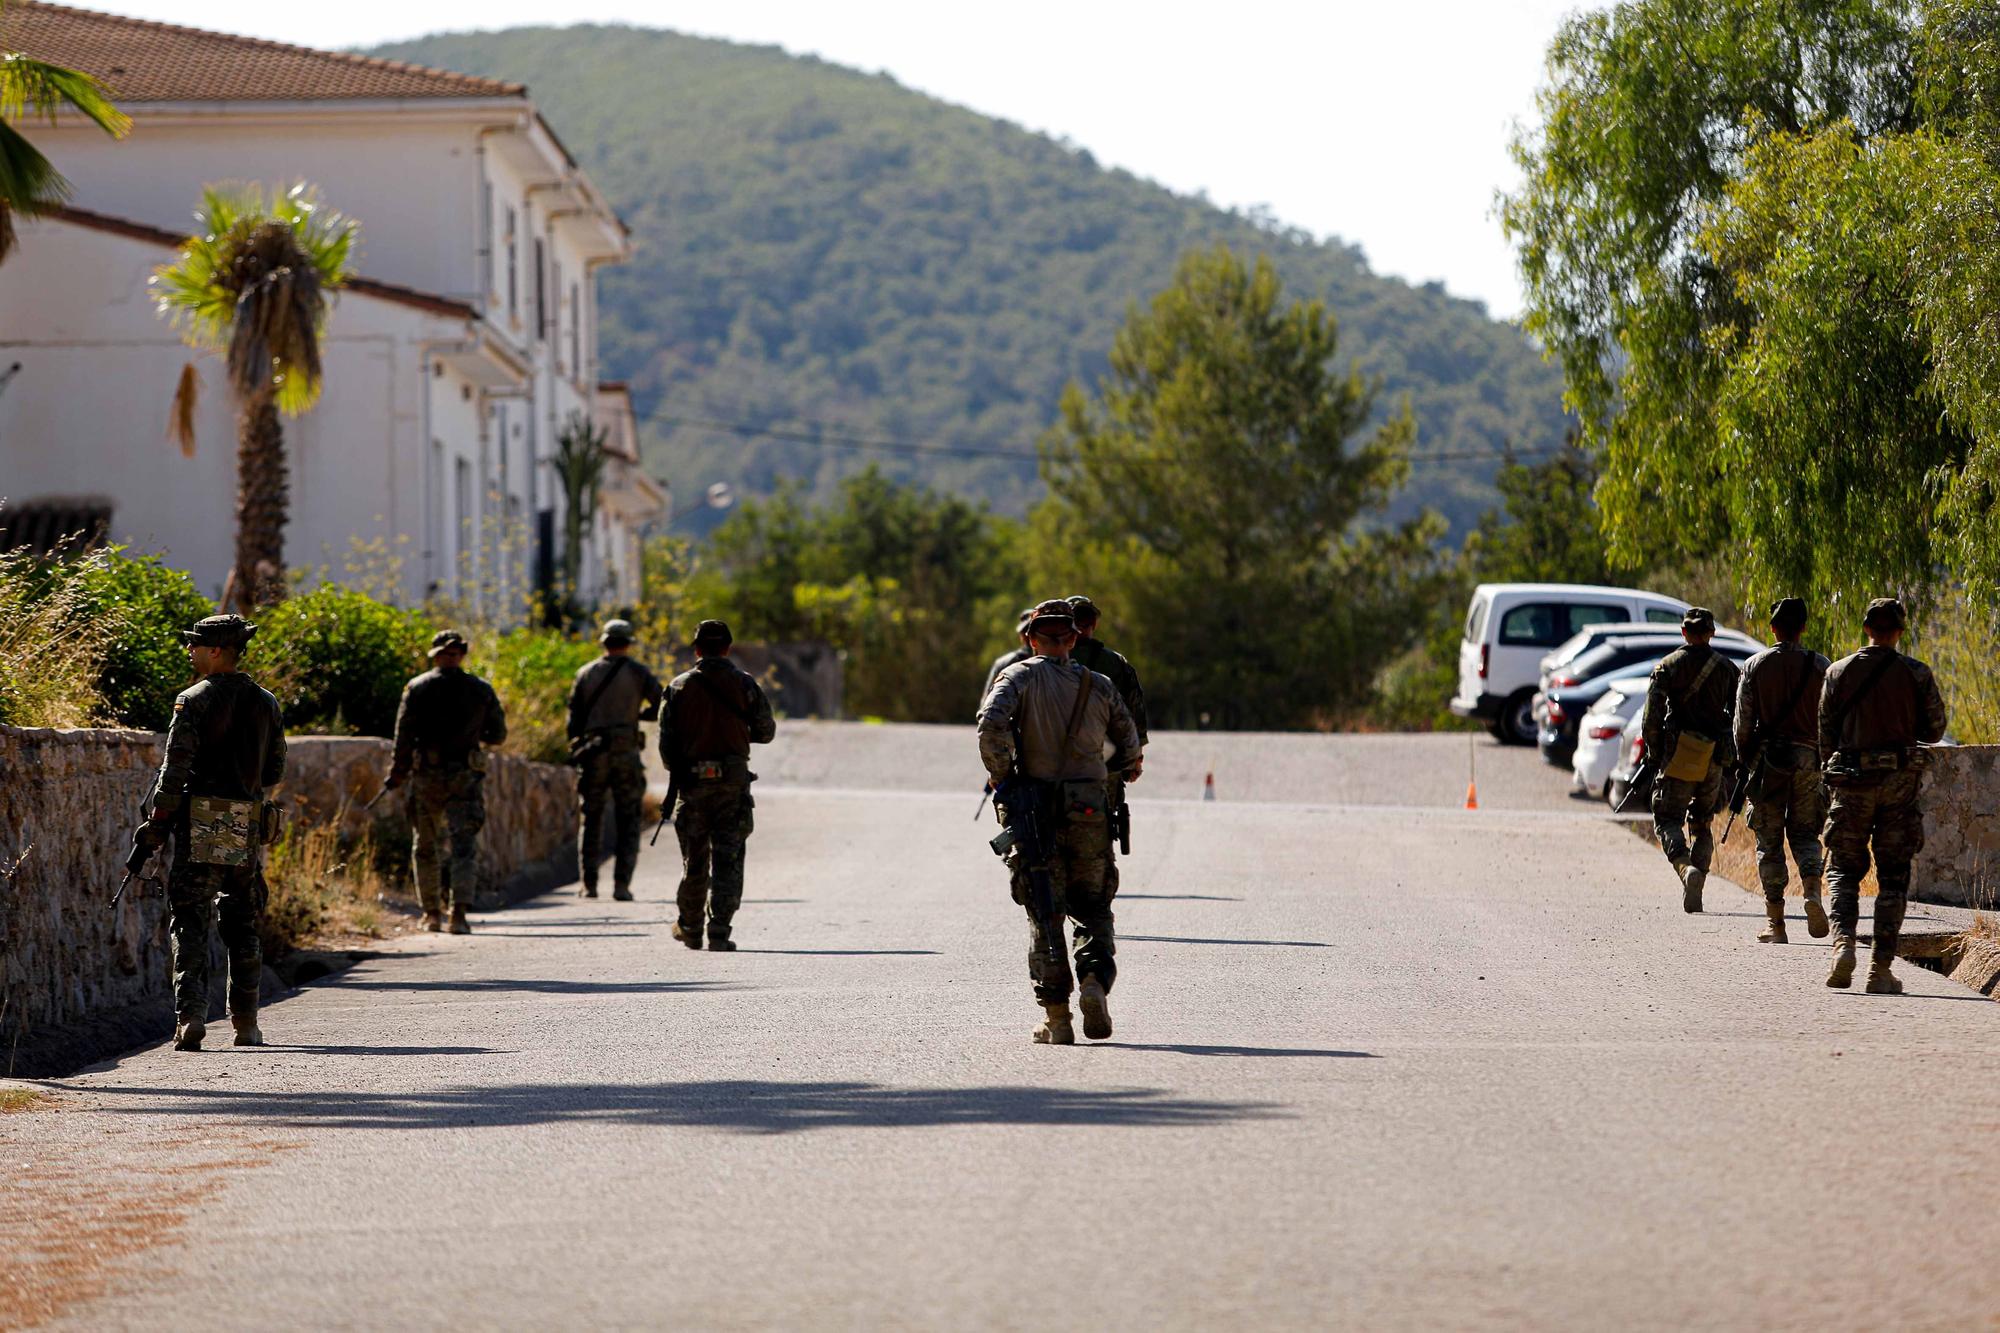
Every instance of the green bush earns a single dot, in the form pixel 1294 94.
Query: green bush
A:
pixel 532 669
pixel 338 659
pixel 143 605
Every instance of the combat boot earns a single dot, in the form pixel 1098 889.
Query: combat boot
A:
pixel 589 890
pixel 433 920
pixel 1842 975
pixel 1096 1013
pixel 622 893
pixel 1055 1029
pixel 1816 923
pixel 719 941
pixel 1881 981
pixel 1691 881
pixel 245 1023
pixel 691 938
pixel 459 925
pixel 188 1032
pixel 1774 933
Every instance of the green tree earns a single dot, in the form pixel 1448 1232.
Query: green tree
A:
pixel 35 89
pixel 1548 531
pixel 254 283
pixel 580 461
pixel 1210 489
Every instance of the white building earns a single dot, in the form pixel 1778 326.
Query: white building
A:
pixel 450 370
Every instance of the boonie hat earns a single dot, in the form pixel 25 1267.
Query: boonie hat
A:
pixel 218 632
pixel 1788 614
pixel 1885 613
pixel 1054 614
pixel 446 640
pixel 713 634
pixel 616 631
pixel 1083 609
pixel 1698 618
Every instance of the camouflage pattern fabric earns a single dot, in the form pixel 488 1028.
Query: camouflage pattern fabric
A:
pixel 713 821
pixel 1080 869
pixel 1884 810
pixel 235 896
pixel 222 832
pixel 1791 808
pixel 447 810
pixel 622 778
pixel 1681 806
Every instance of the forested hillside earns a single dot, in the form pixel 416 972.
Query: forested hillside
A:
pixel 822 252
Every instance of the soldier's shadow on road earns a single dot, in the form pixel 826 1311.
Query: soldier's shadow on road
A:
pixel 535 985
pixel 1177 897
pixel 849 953
pixel 1296 1052
pixel 738 1106
pixel 1272 944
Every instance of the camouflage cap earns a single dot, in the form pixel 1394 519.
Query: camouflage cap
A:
pixel 1083 609
pixel 1699 619
pixel 1788 615
pixel 1885 613
pixel 1054 614
pixel 218 632
pixel 616 631
pixel 448 640
pixel 713 634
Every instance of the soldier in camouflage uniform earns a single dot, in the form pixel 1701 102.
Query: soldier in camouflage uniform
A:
pixel 608 701
pixel 225 747
pixel 1691 694
pixel 1043 731
pixel 712 716
pixel 446 715
pixel 1093 653
pixel 1777 737
pixel 1875 711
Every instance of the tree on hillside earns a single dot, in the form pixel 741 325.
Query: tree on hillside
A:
pixel 1208 487
pixel 254 283
pixel 1548 531
pixel 29 182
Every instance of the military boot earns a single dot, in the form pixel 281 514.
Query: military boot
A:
pixel 1816 923
pixel 244 1020
pixel 691 938
pixel 188 1032
pixel 1774 912
pixel 433 920
pixel 589 889
pixel 718 939
pixel 1096 1013
pixel 1888 929
pixel 1881 981
pixel 1842 975
pixel 622 893
pixel 1691 881
pixel 459 925
pixel 1055 1029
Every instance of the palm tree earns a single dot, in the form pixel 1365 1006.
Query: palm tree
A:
pixel 580 460
pixel 254 283
pixel 29 183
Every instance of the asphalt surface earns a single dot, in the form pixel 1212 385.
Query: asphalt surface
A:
pixel 1379 1061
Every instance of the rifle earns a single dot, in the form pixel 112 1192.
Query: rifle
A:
pixel 1121 827
pixel 142 851
pixel 667 806
pixel 1739 784
pixel 1021 800
pixel 985 795
pixel 376 798
pixel 1648 770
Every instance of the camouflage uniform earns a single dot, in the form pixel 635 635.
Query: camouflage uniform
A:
pixel 619 693
pixel 1094 655
pixel 711 717
pixel 226 742
pixel 445 716
pixel 1876 708
pixel 1787 795
pixel 1687 694
pixel 1022 726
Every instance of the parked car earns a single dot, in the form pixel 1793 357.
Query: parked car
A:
pixel 1510 626
pixel 1567 704
pixel 1631 753
pixel 1600 736
pixel 1591 636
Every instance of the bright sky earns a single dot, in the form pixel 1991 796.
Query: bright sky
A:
pixel 1385 124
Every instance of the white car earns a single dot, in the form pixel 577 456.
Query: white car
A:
pixel 1510 626
pixel 1600 739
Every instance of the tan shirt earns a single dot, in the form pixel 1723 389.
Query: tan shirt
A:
pixel 1034 700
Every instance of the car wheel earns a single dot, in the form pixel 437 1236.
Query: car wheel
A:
pixel 1497 729
pixel 1517 720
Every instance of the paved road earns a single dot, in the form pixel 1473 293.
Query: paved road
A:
pixel 1376 1065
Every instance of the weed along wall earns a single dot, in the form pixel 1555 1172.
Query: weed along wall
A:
pixel 1960 862
pixel 69 801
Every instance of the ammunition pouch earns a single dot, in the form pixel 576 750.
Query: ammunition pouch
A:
pixel 271 823
pixel 581 748
pixel 1693 753
pixel 1084 801
pixel 222 832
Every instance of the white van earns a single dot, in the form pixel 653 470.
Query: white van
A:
pixel 1510 626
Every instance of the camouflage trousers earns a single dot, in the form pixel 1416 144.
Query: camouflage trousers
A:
pixel 234 897
pixel 1682 806
pixel 447 810
pixel 620 777
pixel 1886 811
pixel 1791 808
pixel 1080 869
pixel 713 821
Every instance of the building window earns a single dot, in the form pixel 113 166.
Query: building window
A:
pixel 541 291
pixel 575 331
pixel 513 263
pixel 62 523
pixel 555 308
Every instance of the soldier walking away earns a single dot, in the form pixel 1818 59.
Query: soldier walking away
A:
pixel 1091 652
pixel 446 715
pixel 609 700
pixel 1020 653
pixel 225 748
pixel 1042 735
pixel 1686 723
pixel 1777 739
pixel 713 715
pixel 1875 711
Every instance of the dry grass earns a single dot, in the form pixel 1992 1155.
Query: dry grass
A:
pixel 1736 861
pixel 14 1100
pixel 323 891
pixel 52 645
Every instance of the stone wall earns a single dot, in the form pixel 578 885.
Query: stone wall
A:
pixel 69 801
pixel 1960 863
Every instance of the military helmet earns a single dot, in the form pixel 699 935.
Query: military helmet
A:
pixel 1053 615
pixel 448 640
pixel 616 632
pixel 712 634
pixel 1699 619
pixel 218 632
pixel 1885 614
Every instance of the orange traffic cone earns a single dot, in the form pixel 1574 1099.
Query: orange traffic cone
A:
pixel 1208 788
pixel 1472 795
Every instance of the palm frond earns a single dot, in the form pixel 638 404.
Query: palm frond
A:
pixel 29 182
pixel 35 88
pixel 180 418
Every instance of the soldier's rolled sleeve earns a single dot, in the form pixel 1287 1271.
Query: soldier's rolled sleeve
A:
pixel 183 734
pixel 996 725
pixel 1935 718
pixel 406 740
pixel 763 725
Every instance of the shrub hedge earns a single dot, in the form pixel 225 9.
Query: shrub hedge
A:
pixel 337 659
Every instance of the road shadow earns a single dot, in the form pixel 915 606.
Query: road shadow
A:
pixel 1260 1052
pixel 1186 939
pixel 301 1048
pixel 537 985
pixel 848 953
pixel 565 934
pixel 1177 897
pixel 736 1106
pixel 764 901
